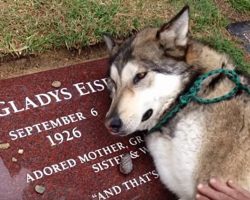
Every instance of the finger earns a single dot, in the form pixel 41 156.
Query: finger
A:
pixel 241 191
pixel 201 197
pixel 222 187
pixel 212 193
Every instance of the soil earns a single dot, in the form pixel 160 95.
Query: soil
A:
pixel 10 67
pixel 232 14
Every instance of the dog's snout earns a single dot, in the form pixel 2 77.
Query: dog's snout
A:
pixel 115 124
pixel 147 115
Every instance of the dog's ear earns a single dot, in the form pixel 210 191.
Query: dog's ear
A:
pixel 110 43
pixel 176 29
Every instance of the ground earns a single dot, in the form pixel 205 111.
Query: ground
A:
pixel 13 67
pixel 37 35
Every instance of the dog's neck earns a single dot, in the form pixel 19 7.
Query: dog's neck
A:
pixel 205 58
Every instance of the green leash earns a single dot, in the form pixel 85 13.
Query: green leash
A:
pixel 191 95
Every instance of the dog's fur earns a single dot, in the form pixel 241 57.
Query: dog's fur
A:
pixel 201 141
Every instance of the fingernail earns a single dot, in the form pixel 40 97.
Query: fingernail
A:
pixel 198 196
pixel 200 186
pixel 230 181
pixel 212 180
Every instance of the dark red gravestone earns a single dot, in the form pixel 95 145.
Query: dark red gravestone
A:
pixel 53 144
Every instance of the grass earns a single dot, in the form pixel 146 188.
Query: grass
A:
pixel 205 16
pixel 34 26
pixel 240 5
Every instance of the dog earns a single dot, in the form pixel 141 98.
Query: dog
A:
pixel 148 73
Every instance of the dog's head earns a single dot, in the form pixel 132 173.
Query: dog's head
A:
pixel 147 73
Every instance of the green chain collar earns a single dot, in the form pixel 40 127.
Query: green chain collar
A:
pixel 191 95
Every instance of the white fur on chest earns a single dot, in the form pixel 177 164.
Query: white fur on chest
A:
pixel 176 158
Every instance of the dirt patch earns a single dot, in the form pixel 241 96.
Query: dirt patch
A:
pixel 229 12
pixel 49 60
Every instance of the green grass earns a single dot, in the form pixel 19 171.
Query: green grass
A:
pixel 34 26
pixel 205 16
pixel 242 6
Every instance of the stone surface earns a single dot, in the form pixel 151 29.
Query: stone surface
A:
pixel 67 148
pixel 126 164
pixel 241 30
pixel 39 189
pixel 4 145
pixel 20 151
pixel 56 84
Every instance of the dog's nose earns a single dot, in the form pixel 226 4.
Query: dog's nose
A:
pixel 115 124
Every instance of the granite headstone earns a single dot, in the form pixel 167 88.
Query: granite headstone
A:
pixel 241 30
pixel 53 143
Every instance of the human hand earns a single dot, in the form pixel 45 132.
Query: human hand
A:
pixel 218 190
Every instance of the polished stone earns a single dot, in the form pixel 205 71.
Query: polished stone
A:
pixel 241 30
pixel 58 145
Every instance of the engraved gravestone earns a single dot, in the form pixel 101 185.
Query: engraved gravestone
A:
pixel 241 30
pixel 53 144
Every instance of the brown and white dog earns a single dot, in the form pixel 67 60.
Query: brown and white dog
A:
pixel 148 72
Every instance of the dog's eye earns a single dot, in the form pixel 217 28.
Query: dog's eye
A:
pixel 139 77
